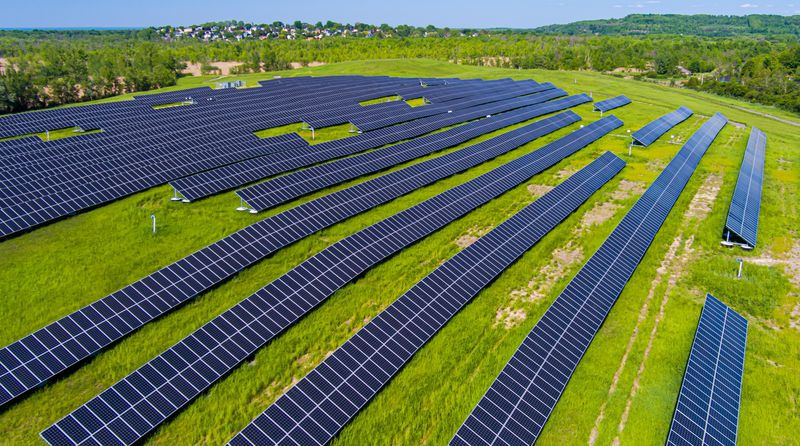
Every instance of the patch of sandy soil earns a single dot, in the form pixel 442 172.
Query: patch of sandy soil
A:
pixel 3 63
pixel 538 190
pixel 565 173
pixel 703 201
pixel 554 271
pixel 656 165
pixel 509 318
pixel 738 125
pixel 790 261
pixel 472 236
pixel 224 68
pixel 600 213
pixel 627 189
pixel 539 285
pixel 296 65
pixel 794 318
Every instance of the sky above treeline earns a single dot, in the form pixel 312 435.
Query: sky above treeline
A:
pixel 452 13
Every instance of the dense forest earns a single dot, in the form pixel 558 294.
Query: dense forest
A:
pixel 49 68
pixel 690 25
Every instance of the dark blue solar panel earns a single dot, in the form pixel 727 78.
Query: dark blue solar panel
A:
pixel 201 358
pixel 140 147
pixel 742 223
pixel 84 332
pixel 331 394
pixel 519 402
pixel 218 180
pixel 707 412
pixel 610 104
pixel 288 187
pixel 652 131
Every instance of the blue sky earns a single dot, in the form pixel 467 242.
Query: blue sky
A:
pixel 453 13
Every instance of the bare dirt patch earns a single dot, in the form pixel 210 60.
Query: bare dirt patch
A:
pixel 194 69
pixel 703 200
pixel 656 165
pixel 628 189
pixel 3 64
pixel 538 190
pixel 296 65
pixel 600 213
pixel 555 270
pixel 794 318
pixel 538 287
pixel 472 236
pixel 790 261
pixel 565 173
pixel 509 317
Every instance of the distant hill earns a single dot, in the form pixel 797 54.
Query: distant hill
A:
pixel 700 25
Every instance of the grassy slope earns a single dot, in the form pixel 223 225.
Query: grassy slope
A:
pixel 61 267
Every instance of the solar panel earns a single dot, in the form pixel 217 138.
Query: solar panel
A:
pixel 318 406
pixel 610 104
pixel 27 363
pixel 652 131
pixel 742 223
pixel 293 185
pixel 519 402
pixel 234 175
pixel 164 385
pixel 141 147
pixel 707 412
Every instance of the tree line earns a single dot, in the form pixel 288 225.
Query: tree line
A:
pixel 49 68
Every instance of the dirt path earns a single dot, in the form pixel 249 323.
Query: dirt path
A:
pixel 767 115
pixel 665 267
pixel 677 272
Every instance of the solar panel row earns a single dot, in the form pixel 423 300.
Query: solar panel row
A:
pixel 741 225
pixel 47 180
pixel 610 104
pixel 234 175
pixel 517 405
pixel 293 185
pixel 652 131
pixel 368 123
pixel 138 403
pixel 318 406
pixel 29 362
pixel 707 412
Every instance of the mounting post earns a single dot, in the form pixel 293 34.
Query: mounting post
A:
pixel 241 207
pixel 153 216
pixel 739 274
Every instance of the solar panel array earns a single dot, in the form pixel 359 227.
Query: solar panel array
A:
pixel 652 131
pixel 140 147
pixel 708 405
pixel 138 403
pixel 29 362
pixel 234 175
pixel 611 104
pixel 519 402
pixel 742 223
pixel 318 406
pixel 293 185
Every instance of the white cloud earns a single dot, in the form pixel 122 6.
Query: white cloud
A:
pixel 748 5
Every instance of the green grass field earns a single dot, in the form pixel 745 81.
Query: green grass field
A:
pixel 624 389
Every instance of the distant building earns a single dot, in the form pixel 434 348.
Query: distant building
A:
pixel 230 84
